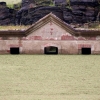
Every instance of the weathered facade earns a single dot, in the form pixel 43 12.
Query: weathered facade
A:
pixel 50 35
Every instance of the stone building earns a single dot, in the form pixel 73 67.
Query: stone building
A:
pixel 50 35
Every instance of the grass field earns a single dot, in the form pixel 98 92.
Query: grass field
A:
pixel 49 77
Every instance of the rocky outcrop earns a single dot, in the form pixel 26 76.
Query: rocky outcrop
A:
pixel 27 2
pixel 84 10
pixel 67 15
pixel 31 15
pixel 59 2
pixel 92 3
pixel 6 14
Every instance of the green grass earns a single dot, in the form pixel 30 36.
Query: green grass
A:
pixel 49 77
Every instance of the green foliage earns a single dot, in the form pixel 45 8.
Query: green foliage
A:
pixel 18 5
pixel 10 6
pixel 11 1
pixel 51 4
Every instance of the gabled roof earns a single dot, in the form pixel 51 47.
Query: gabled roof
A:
pixel 58 21
pixel 43 21
pixel 50 18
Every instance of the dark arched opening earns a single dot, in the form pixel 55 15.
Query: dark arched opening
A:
pixel 50 50
pixel 14 50
pixel 86 51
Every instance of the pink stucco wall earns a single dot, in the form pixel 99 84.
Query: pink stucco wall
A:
pixel 51 34
pixel 37 46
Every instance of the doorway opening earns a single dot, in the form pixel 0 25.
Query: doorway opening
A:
pixel 86 51
pixel 50 50
pixel 14 50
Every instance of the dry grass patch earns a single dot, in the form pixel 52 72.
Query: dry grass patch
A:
pixel 53 77
pixel 21 27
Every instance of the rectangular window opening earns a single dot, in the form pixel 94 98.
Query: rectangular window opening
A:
pixel 14 50
pixel 86 51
